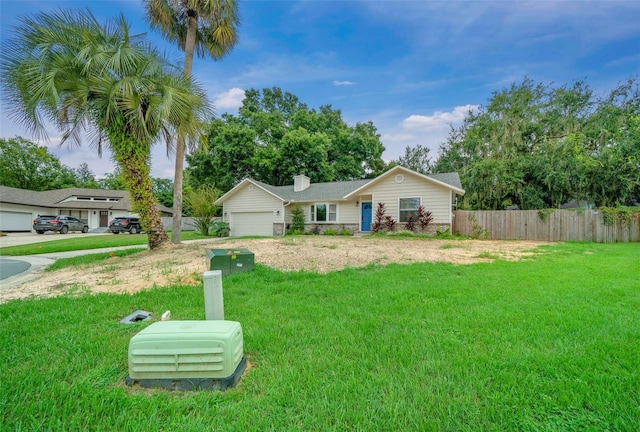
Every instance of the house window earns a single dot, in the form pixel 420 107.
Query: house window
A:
pixel 409 206
pixel 324 212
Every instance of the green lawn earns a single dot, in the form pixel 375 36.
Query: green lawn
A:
pixel 547 344
pixel 87 259
pixel 88 242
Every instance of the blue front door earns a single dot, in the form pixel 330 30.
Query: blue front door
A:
pixel 366 212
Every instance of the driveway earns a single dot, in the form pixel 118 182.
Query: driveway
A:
pixel 10 267
pixel 16 270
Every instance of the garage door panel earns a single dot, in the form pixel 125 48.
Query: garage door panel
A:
pixel 251 224
pixel 15 221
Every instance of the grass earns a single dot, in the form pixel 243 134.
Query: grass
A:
pixel 547 344
pixel 84 260
pixel 488 255
pixel 87 242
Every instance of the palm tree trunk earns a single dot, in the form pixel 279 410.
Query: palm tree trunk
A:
pixel 134 161
pixel 178 175
pixel 177 192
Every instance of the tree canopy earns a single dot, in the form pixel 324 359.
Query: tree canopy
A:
pixel 536 146
pixel 27 165
pixel 275 136
pixel 415 158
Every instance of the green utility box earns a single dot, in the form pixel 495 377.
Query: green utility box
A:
pixel 231 260
pixel 185 355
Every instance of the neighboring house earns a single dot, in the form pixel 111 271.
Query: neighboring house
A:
pixel 256 208
pixel 574 204
pixel 96 207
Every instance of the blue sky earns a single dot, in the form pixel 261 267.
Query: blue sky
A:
pixel 411 67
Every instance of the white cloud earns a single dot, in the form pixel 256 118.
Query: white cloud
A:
pixel 343 83
pixel 229 100
pixel 439 119
pixel 425 130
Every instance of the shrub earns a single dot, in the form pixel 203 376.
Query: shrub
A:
pixel 297 218
pixel 389 223
pixel 219 229
pixel 378 222
pixel 345 232
pixel 425 217
pixel 477 231
pixel 611 215
pixel 330 232
pixel 443 232
pixel 200 204
pixel 410 225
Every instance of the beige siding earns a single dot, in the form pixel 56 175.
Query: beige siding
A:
pixel 435 198
pixel 348 211
pixel 253 199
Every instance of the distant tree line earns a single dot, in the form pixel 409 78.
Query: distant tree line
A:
pixel 532 146
pixel 538 146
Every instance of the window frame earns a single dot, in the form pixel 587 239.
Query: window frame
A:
pixel 313 212
pixel 408 211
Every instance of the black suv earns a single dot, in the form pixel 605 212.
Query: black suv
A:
pixel 62 223
pixel 122 224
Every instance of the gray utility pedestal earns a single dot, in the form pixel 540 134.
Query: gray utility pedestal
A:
pixel 230 261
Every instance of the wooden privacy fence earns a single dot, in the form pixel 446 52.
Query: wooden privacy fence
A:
pixel 557 225
pixel 186 224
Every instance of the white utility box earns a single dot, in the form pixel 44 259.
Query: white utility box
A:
pixel 186 355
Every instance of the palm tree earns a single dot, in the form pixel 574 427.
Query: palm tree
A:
pixel 205 27
pixel 66 68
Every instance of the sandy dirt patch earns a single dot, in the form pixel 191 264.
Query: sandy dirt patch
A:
pixel 185 264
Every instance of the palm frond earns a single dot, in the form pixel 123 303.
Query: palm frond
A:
pixel 217 24
pixel 67 68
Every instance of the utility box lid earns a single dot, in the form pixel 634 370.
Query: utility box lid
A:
pixel 230 261
pixel 186 349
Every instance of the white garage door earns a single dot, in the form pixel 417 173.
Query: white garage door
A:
pixel 251 224
pixel 15 221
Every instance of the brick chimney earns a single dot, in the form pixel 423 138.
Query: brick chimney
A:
pixel 301 182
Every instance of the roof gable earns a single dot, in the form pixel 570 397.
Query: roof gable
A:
pixel 447 180
pixel 234 190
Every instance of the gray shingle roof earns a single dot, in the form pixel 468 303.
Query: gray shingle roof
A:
pixel 451 178
pixel 335 191
pixel 55 198
pixel 20 196
pixel 316 191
